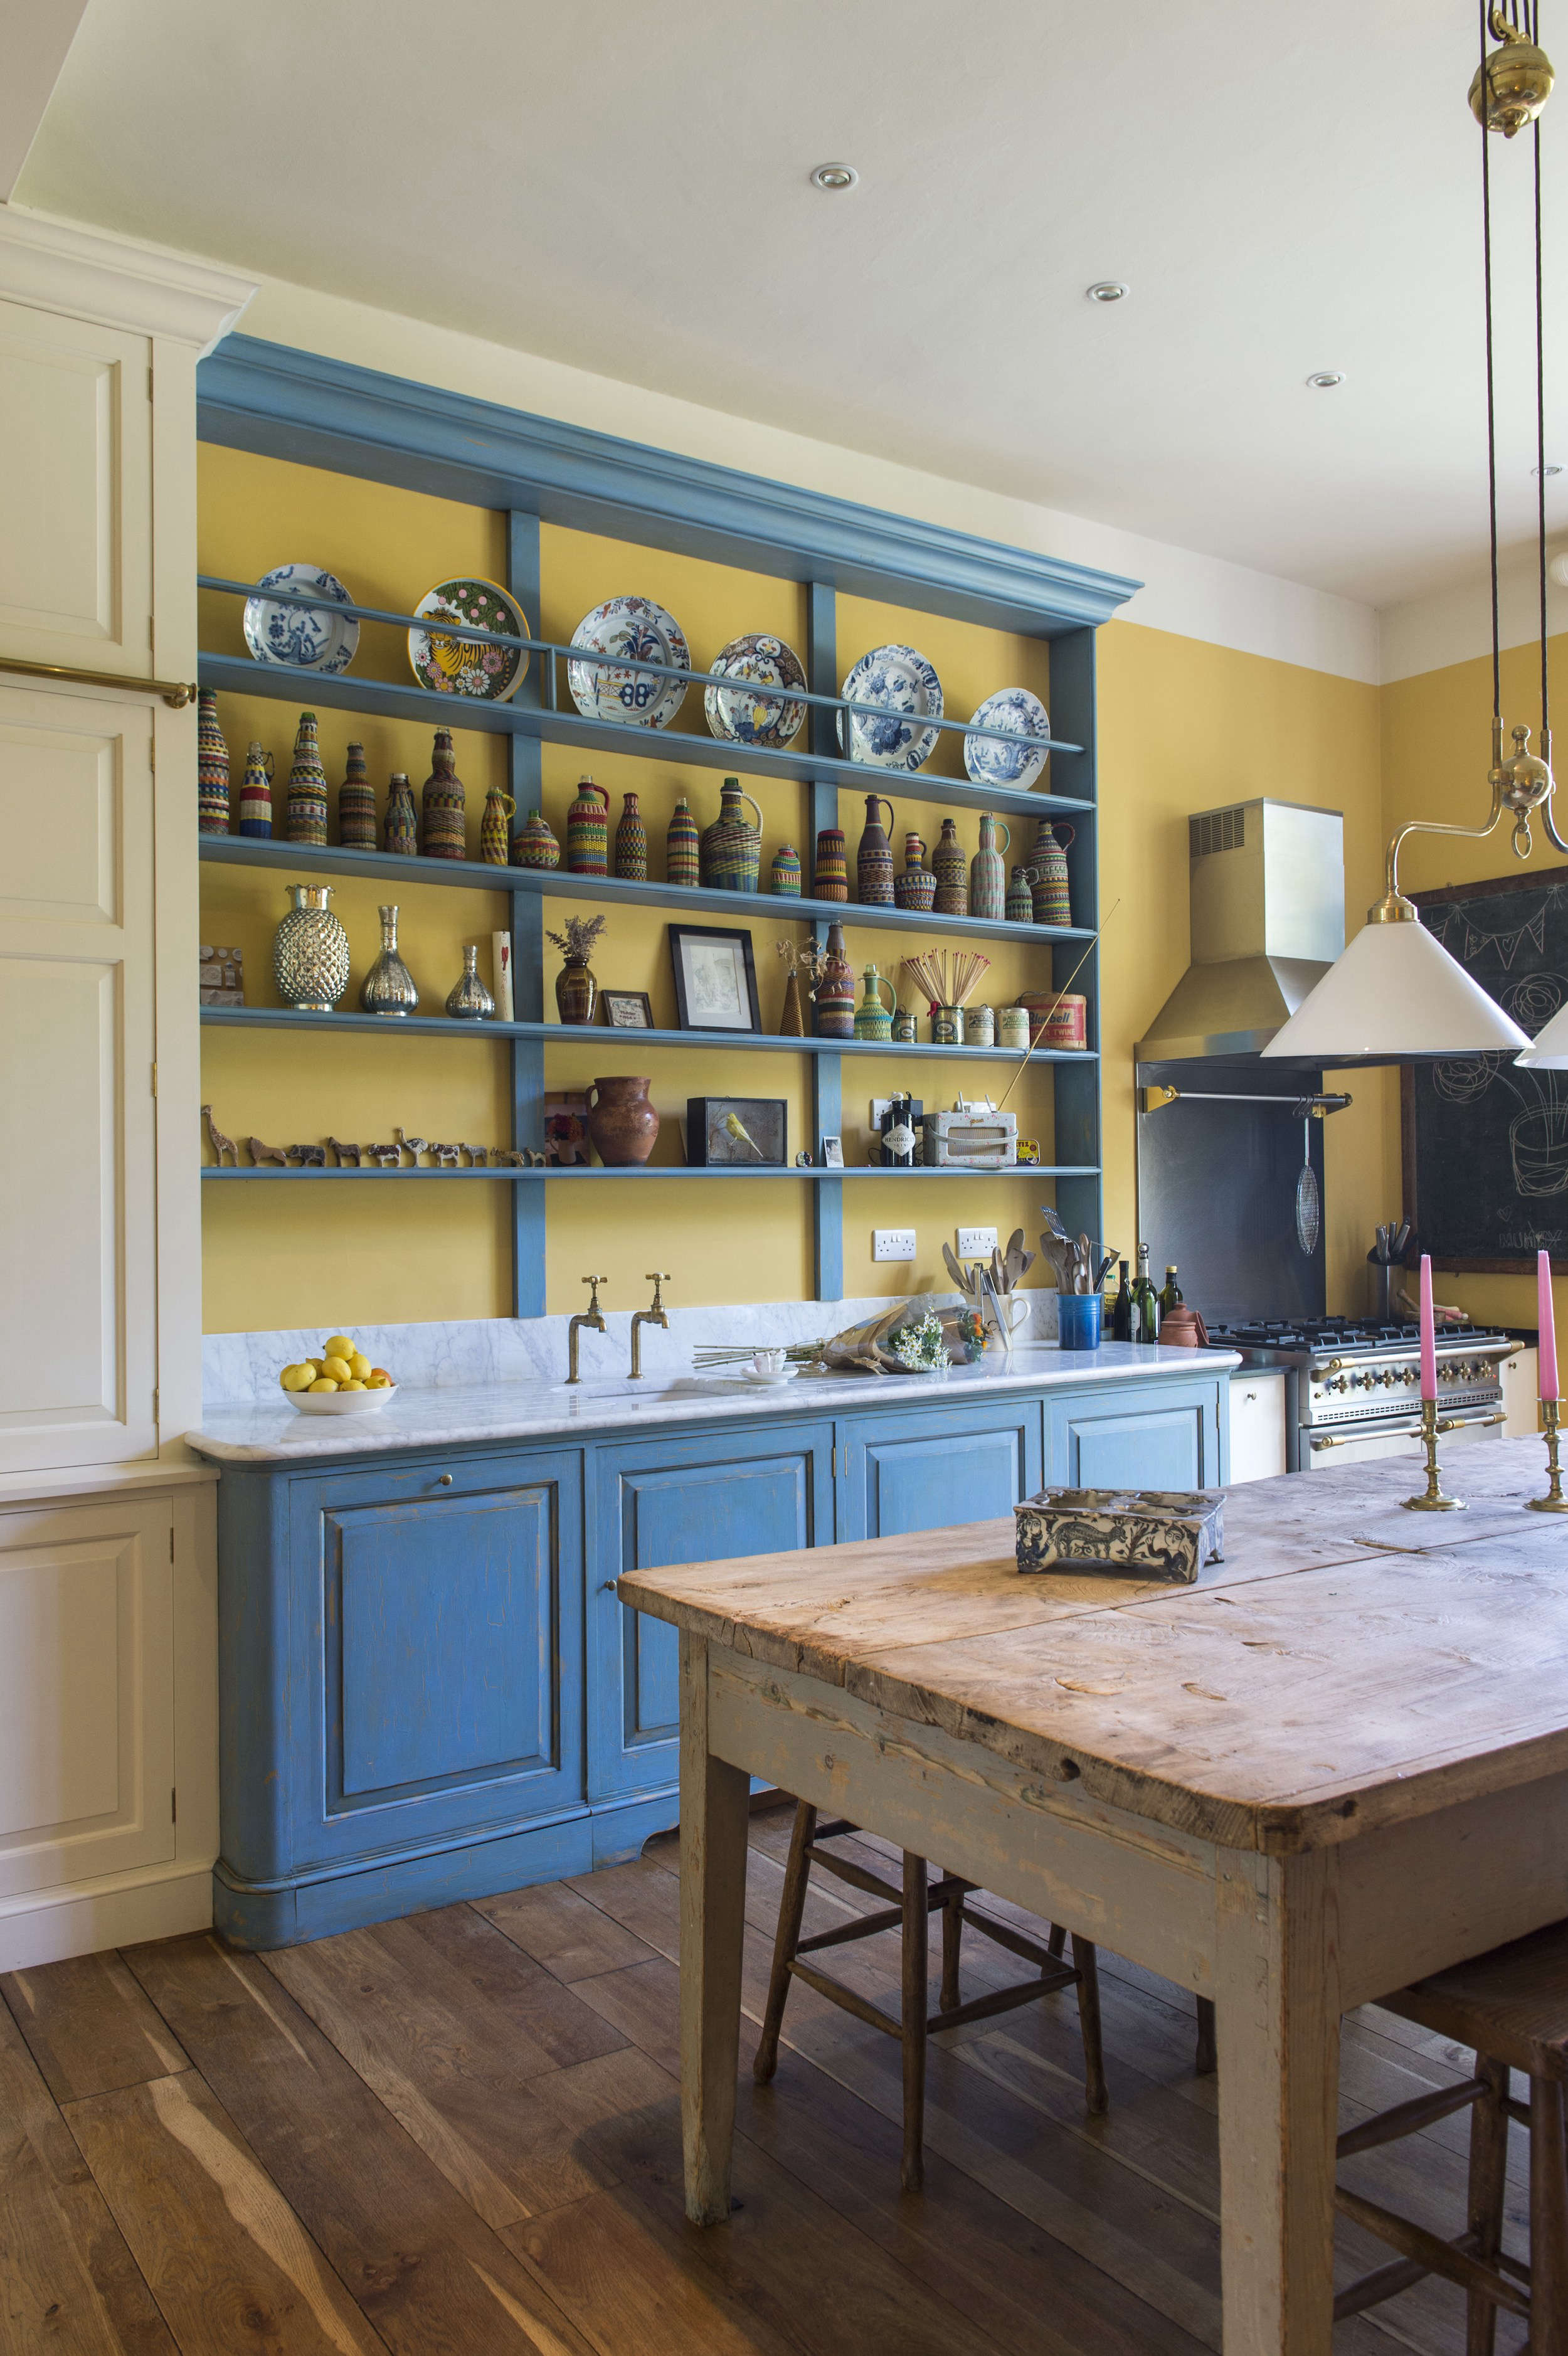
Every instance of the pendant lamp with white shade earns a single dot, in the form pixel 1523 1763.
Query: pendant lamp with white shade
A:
pixel 1395 993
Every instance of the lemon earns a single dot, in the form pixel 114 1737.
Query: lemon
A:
pixel 294 1378
pixel 379 1383
pixel 359 1366
pixel 339 1368
pixel 340 1345
pixel 322 1383
pixel 355 1386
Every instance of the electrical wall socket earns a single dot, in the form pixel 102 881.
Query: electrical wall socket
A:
pixel 976 1243
pixel 892 1243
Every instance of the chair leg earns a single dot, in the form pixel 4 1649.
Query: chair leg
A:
pixel 1489 2184
pixel 792 1906
pixel 1087 1963
pixel 1205 2057
pixel 1057 1941
pixel 1548 2219
pixel 952 1942
pixel 915 1966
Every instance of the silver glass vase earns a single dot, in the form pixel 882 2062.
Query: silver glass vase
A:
pixel 310 951
pixel 388 987
pixel 469 1000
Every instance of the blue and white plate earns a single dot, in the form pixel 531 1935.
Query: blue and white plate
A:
pixel 988 761
pixel 635 628
pixel 743 716
pixel 906 685
pixel 297 634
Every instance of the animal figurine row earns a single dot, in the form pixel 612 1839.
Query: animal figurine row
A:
pixel 376 1157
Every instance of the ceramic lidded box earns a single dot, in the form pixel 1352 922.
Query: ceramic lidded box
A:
pixel 1167 1534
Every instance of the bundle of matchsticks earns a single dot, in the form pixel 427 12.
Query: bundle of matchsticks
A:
pixel 942 985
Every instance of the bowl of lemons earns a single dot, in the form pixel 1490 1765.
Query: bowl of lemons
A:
pixel 342 1381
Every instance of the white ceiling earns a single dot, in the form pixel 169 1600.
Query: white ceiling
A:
pixel 1286 187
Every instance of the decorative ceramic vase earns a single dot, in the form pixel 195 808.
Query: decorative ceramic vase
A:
pixel 989 872
pixel 468 1000
pixel 588 831
pixel 496 828
pixel 831 880
pixel 1012 1027
pixel 916 888
pixel 683 857
pixel 631 843
pixel 577 991
pixel 733 846
pixel 950 868
pixel 1052 903
pixel 388 987
pixel 256 795
pixel 792 1022
pixel 785 874
pixel 310 951
pixel 212 770
pixel 307 790
pixel 872 1019
pixel 980 1027
pixel 1020 898
pixel 400 828
pixel 835 990
pixel 533 845
pixel 874 860
pixel 355 804
pixel 621 1123
pixel 444 834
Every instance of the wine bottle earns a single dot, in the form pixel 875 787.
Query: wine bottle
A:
pixel 1171 1296
pixel 1122 1312
pixel 1145 1300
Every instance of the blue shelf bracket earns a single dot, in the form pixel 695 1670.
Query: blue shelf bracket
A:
pixel 525 759
pixel 827 1071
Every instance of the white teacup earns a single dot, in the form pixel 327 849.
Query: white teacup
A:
pixel 771 1361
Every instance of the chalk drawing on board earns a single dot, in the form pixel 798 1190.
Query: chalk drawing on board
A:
pixel 1538 1132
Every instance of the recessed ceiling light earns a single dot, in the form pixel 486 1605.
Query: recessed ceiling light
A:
pixel 834 176
pixel 1105 290
pixel 1322 379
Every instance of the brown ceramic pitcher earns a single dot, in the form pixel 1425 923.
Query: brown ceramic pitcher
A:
pixel 621 1123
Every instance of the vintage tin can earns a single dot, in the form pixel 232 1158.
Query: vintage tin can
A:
pixel 980 1027
pixel 1012 1026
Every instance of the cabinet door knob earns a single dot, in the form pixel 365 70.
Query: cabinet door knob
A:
pixel 608 1588
pixel 443 1481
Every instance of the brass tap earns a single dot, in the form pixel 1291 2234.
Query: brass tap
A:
pixel 590 1316
pixel 654 1316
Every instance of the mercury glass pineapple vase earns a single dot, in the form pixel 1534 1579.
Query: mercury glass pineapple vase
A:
pixel 388 987
pixel 310 951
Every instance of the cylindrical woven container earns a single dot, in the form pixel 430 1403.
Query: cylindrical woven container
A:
pixel 444 834
pixel 588 831
pixel 632 844
pixel 400 828
pixel 307 789
pixel 357 804
pixel 683 857
pixel 784 876
pixel 212 773
pixel 733 846
pixel 533 845
pixel 831 880
pixel 950 865
pixel 834 991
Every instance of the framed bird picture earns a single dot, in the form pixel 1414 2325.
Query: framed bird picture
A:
pixel 737 1132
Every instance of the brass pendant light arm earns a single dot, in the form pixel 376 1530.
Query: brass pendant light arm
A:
pixel 1393 908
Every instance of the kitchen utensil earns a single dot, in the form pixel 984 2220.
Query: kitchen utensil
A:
pixel 1308 1202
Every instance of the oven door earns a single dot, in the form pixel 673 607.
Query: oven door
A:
pixel 1394 1435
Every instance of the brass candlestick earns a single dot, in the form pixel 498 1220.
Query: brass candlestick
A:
pixel 1434 1501
pixel 1554 1502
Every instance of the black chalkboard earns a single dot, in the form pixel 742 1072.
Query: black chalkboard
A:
pixel 1486 1145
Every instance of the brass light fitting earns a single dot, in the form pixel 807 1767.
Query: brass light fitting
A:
pixel 1519 79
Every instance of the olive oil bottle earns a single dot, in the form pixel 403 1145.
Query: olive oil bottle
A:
pixel 1146 1301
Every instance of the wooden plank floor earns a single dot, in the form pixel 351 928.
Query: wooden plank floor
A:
pixel 458 2135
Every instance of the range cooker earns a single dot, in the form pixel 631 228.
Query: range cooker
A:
pixel 1352 1390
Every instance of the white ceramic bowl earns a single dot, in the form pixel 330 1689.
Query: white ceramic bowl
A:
pixel 341 1402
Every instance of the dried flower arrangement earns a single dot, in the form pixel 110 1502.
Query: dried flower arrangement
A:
pixel 579 938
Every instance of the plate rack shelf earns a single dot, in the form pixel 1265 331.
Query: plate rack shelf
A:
pixel 299 406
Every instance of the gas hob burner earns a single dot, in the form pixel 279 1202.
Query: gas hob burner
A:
pixel 1309 1336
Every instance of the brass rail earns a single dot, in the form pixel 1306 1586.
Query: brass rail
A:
pixel 175 692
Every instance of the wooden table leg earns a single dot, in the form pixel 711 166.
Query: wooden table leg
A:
pixel 1277 1985
pixel 714 1810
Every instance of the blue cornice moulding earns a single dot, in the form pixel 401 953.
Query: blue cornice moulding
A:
pixel 318 412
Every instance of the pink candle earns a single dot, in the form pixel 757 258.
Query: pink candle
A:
pixel 1428 1338
pixel 1547 1360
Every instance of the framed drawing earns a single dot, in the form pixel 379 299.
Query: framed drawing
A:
pixel 715 980
pixel 627 1010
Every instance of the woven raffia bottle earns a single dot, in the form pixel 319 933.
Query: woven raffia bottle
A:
pixel 784 876
pixel 588 831
pixel 400 830
pixel 830 878
pixel 496 828
pixel 1020 897
pixel 256 795
pixel 874 860
pixel 683 862
pixel 533 845
pixel 834 991
pixel 916 888
pixel 212 770
pixel 733 846
pixel 355 804
pixel 632 844
pixel 988 871
pixel 307 789
pixel 950 868
pixel 445 836
pixel 1053 901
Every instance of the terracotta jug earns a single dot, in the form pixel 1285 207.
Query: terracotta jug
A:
pixel 733 846
pixel 588 831
pixel 874 861
pixel 950 868
pixel 834 991
pixel 916 888
pixel 988 871
pixel 621 1123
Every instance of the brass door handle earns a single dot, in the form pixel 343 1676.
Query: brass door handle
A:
pixel 175 692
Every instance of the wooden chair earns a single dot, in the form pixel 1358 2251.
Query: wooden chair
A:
pixel 908 1911
pixel 1510 2008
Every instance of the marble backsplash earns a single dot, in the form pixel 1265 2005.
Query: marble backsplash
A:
pixel 239 1368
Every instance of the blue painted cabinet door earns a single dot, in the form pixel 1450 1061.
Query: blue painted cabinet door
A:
pixel 925 1469
pixel 436 1672
pixel 1164 1436
pixel 690 1498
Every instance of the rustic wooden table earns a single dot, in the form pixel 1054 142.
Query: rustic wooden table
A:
pixel 1337 1763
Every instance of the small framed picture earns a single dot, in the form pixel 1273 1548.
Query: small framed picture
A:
pixel 715 980
pixel 627 1010
pixel 833 1153
pixel 745 1133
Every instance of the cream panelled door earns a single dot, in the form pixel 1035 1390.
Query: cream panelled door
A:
pixel 78 1240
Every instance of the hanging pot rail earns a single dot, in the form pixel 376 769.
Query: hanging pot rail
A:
pixel 1314 1107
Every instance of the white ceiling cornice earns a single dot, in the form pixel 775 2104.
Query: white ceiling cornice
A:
pixel 120 281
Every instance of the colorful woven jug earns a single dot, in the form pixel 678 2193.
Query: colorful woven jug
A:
pixel 733 846
pixel 631 843
pixel 831 881
pixel 916 888
pixel 533 845
pixel 989 872
pixel 1052 903
pixel 212 771
pixel 872 1019
pixel 950 868
pixel 835 992
pixel 256 795
pixel 496 828
pixel 874 860
pixel 357 803
pixel 307 789
pixel 400 828
pixel 588 831
pixel 785 874
pixel 445 836
pixel 683 861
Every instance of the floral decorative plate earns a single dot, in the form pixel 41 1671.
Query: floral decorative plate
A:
pixel 638 631
pixel 905 683
pixel 464 666
pixel 746 717
pixel 991 762
pixel 295 634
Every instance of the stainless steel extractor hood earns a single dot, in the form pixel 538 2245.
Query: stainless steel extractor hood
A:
pixel 1267 898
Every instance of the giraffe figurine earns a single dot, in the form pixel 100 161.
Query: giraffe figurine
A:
pixel 219 1143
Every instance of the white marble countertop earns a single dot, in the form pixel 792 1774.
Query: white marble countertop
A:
pixel 267 1430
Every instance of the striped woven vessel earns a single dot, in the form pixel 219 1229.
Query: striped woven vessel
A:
pixel 632 844
pixel 444 833
pixel 785 872
pixel 682 847
pixel 357 804
pixel 588 831
pixel 212 775
pixel 307 789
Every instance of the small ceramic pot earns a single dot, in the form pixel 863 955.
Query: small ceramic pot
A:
pixel 621 1123
pixel 576 991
